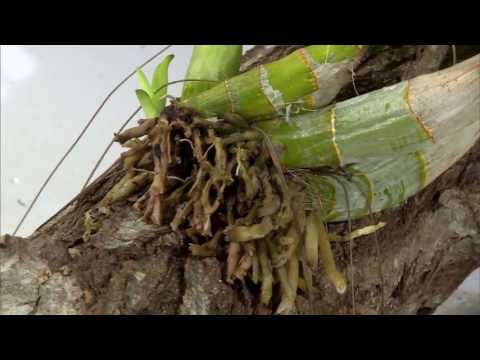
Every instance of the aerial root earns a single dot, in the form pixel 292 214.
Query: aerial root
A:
pixel 367 230
pixel 312 242
pixel 210 248
pixel 232 259
pixel 288 294
pixel 267 275
pixel 246 261
pixel 328 260
pixel 223 187
pixel 141 130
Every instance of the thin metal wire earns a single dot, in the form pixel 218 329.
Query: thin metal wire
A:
pixel 52 173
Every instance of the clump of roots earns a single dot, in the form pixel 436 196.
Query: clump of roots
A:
pixel 217 182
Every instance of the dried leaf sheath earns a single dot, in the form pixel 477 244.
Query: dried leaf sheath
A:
pixel 386 181
pixel 376 123
pixel 403 118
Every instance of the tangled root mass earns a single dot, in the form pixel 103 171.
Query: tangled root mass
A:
pixel 217 182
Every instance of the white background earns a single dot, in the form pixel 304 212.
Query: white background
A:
pixel 48 93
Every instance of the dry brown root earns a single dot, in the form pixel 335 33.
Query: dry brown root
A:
pixel 221 184
pixel 208 249
pixel 142 129
pixel 233 259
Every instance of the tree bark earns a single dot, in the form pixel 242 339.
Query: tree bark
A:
pixel 427 249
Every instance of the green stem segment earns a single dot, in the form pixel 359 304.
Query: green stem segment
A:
pixel 211 62
pixel 266 91
pixel 380 122
pixel 388 169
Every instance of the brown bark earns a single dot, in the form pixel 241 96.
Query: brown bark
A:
pixel 429 246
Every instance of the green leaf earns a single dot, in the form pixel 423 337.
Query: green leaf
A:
pixel 160 78
pixel 143 82
pixel 147 104
pixel 160 75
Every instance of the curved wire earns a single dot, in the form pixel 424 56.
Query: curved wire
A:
pixel 32 204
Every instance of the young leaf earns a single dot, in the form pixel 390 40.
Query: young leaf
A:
pixel 160 78
pixel 143 82
pixel 147 104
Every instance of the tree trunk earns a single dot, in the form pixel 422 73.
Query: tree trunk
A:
pixel 427 249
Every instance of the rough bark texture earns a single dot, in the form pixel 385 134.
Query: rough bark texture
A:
pixel 428 248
